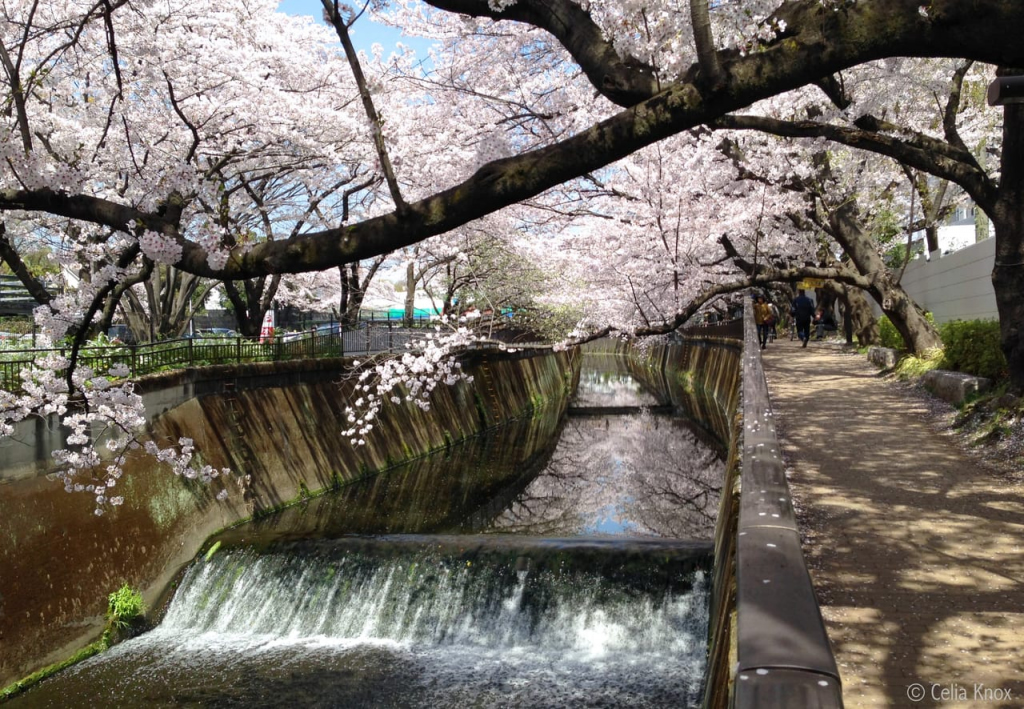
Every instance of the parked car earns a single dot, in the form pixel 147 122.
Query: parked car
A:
pixel 329 328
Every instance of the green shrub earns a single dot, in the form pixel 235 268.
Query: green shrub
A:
pixel 913 366
pixel 890 337
pixel 125 608
pixel 972 347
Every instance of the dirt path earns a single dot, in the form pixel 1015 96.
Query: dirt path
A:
pixel 916 552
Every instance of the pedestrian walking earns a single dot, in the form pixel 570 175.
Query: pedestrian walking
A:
pixel 763 320
pixel 802 311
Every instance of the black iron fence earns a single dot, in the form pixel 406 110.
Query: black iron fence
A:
pixel 138 360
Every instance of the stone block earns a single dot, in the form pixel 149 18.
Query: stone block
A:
pixel 954 387
pixel 884 357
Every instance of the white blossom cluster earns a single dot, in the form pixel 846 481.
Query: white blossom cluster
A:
pixel 160 248
pixel 411 377
pixel 212 242
pixel 99 409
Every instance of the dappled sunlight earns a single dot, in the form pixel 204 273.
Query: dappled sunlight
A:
pixel 914 549
pixel 974 648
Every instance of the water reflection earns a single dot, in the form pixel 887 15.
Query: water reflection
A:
pixel 637 475
pixel 622 475
pixel 605 381
pixel 458 489
pixel 618 475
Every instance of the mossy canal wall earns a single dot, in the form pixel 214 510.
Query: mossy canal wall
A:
pixel 276 425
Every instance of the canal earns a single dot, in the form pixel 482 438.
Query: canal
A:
pixel 559 561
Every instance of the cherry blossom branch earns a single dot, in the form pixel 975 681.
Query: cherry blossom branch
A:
pixel 17 97
pixel 432 360
pixel 920 151
pixel 625 82
pixel 815 44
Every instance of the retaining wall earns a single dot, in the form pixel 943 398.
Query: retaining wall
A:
pixel 278 425
pixel 767 641
pixel 957 286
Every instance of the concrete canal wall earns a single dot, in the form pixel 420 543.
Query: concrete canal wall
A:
pixel 276 425
pixel 767 641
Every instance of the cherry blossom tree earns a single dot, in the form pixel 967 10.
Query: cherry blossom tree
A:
pixel 130 124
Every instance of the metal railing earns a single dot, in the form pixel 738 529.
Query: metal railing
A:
pixel 369 339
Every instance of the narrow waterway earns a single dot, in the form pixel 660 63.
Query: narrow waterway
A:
pixel 546 563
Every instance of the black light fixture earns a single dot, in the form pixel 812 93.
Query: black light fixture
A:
pixel 1006 89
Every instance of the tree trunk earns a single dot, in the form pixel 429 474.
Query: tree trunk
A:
pixel 931 233
pixel 859 321
pixel 918 334
pixel 410 293
pixel 352 294
pixel 1008 219
pixel 248 319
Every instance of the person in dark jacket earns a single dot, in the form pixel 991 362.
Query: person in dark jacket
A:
pixel 802 311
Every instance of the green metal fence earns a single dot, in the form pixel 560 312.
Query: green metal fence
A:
pixel 200 352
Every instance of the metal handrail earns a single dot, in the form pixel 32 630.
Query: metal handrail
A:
pixel 186 353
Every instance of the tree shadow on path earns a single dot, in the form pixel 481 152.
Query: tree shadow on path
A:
pixel 916 551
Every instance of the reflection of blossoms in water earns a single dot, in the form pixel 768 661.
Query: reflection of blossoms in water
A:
pixel 605 381
pixel 623 475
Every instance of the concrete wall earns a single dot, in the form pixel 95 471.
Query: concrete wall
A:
pixel 278 426
pixel 957 286
pixel 767 641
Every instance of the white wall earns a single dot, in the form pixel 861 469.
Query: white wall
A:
pixel 957 286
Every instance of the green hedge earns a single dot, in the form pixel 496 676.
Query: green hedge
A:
pixel 972 346
pixel 890 337
pixel 969 346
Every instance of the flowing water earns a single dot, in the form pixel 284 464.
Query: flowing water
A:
pixel 542 565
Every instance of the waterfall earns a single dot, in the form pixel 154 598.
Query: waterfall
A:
pixel 430 599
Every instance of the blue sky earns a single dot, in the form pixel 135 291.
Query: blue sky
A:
pixel 364 33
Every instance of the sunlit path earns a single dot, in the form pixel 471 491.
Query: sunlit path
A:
pixel 917 553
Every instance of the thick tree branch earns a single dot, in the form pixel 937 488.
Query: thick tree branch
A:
pixel 623 81
pixel 110 306
pixel 953 107
pixel 918 151
pixel 816 44
pixel 704 41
